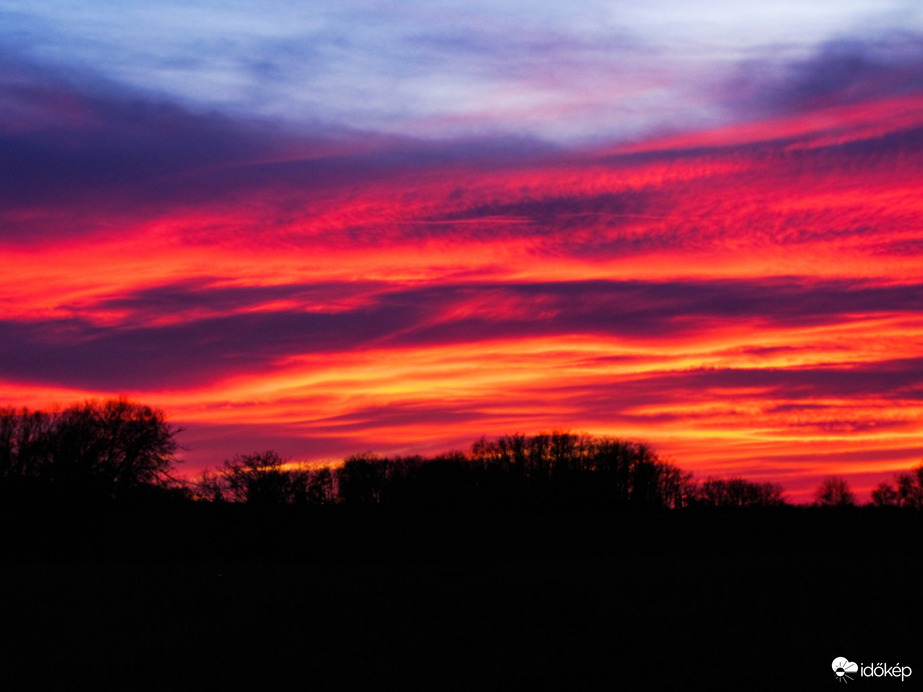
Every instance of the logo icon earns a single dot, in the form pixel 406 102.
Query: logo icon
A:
pixel 841 667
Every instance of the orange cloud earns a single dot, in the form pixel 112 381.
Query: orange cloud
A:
pixel 747 300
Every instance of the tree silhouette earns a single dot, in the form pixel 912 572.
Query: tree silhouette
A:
pixel 361 479
pixel 26 441
pixel 95 451
pixel 259 478
pixel 738 492
pixel 834 491
pixel 884 495
pixel 567 470
pixel 321 487
pixel 116 446
pixel 910 488
pixel 907 491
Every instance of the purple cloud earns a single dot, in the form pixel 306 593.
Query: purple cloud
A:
pixel 206 333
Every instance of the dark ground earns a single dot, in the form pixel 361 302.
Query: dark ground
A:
pixel 200 598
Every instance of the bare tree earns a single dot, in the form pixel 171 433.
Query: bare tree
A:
pixel 260 478
pixel 321 488
pixel 25 444
pixel 834 491
pixel 906 492
pixel 884 495
pixel 910 488
pixel 90 451
pixel 738 492
pixel 361 479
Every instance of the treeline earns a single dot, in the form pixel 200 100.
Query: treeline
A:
pixel 118 450
pixel 557 470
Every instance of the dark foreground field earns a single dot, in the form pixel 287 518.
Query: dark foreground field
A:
pixel 224 598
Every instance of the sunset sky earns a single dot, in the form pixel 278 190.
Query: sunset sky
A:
pixel 333 227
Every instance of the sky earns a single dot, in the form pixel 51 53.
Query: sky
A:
pixel 326 228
